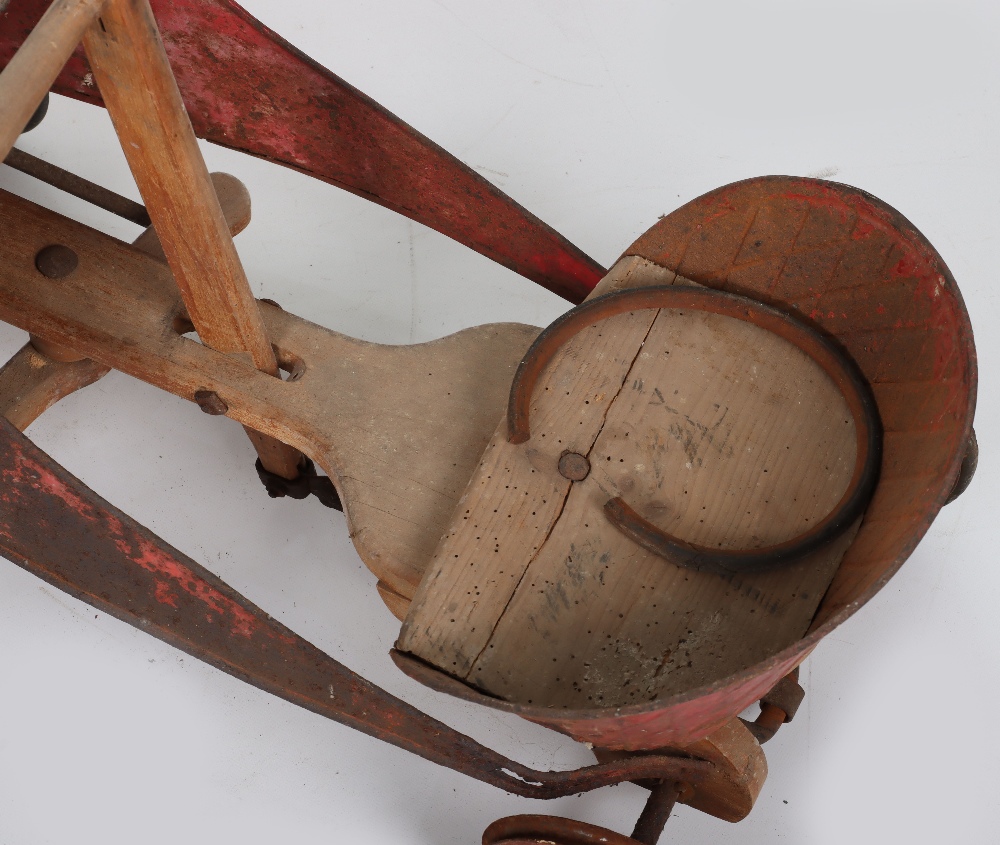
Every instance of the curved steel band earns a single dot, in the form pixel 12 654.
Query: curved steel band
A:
pixel 833 360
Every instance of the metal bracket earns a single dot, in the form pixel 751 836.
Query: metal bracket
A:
pixel 306 483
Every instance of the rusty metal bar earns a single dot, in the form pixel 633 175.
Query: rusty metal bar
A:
pixel 554 830
pixel 55 527
pixel 656 812
pixel 79 187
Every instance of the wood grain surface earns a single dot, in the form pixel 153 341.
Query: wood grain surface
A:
pixel 42 373
pixel 399 428
pixel 145 105
pixel 30 74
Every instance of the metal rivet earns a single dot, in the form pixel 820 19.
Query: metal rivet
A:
pixel 56 261
pixel 574 466
pixel 210 402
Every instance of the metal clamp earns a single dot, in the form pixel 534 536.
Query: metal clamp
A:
pixel 777 706
pixel 306 483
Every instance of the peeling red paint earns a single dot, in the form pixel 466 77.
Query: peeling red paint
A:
pixel 44 480
pixel 918 344
pixel 154 559
pixel 146 555
pixel 165 595
pixel 863 229
pixel 55 527
pixel 246 88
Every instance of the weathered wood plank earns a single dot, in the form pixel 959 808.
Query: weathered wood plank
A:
pixel 31 383
pixel 514 499
pixel 399 428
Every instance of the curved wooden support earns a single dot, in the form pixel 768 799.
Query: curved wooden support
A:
pixel 728 791
pixel 739 770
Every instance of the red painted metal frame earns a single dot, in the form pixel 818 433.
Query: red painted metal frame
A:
pixel 58 529
pixel 246 88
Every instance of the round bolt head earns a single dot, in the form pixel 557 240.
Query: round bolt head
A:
pixel 210 402
pixel 56 261
pixel 574 466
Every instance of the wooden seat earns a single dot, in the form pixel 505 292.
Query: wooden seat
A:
pixel 721 433
pixel 855 270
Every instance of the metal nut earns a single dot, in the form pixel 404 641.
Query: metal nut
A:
pixel 210 402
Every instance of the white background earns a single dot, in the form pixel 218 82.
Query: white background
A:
pixel 598 117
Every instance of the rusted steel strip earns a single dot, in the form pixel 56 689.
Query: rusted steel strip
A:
pixel 841 369
pixel 60 530
pixel 78 186
pixel 248 89
pixel 554 830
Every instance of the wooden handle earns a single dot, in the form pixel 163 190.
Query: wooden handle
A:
pixel 29 75
pixel 145 105
pixel 142 97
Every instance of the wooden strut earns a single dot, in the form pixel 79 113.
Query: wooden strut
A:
pixel 132 71
pixel 43 372
pixel 29 75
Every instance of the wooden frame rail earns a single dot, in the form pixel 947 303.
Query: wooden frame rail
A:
pixel 131 68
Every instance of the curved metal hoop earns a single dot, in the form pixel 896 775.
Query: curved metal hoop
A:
pixel 834 361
